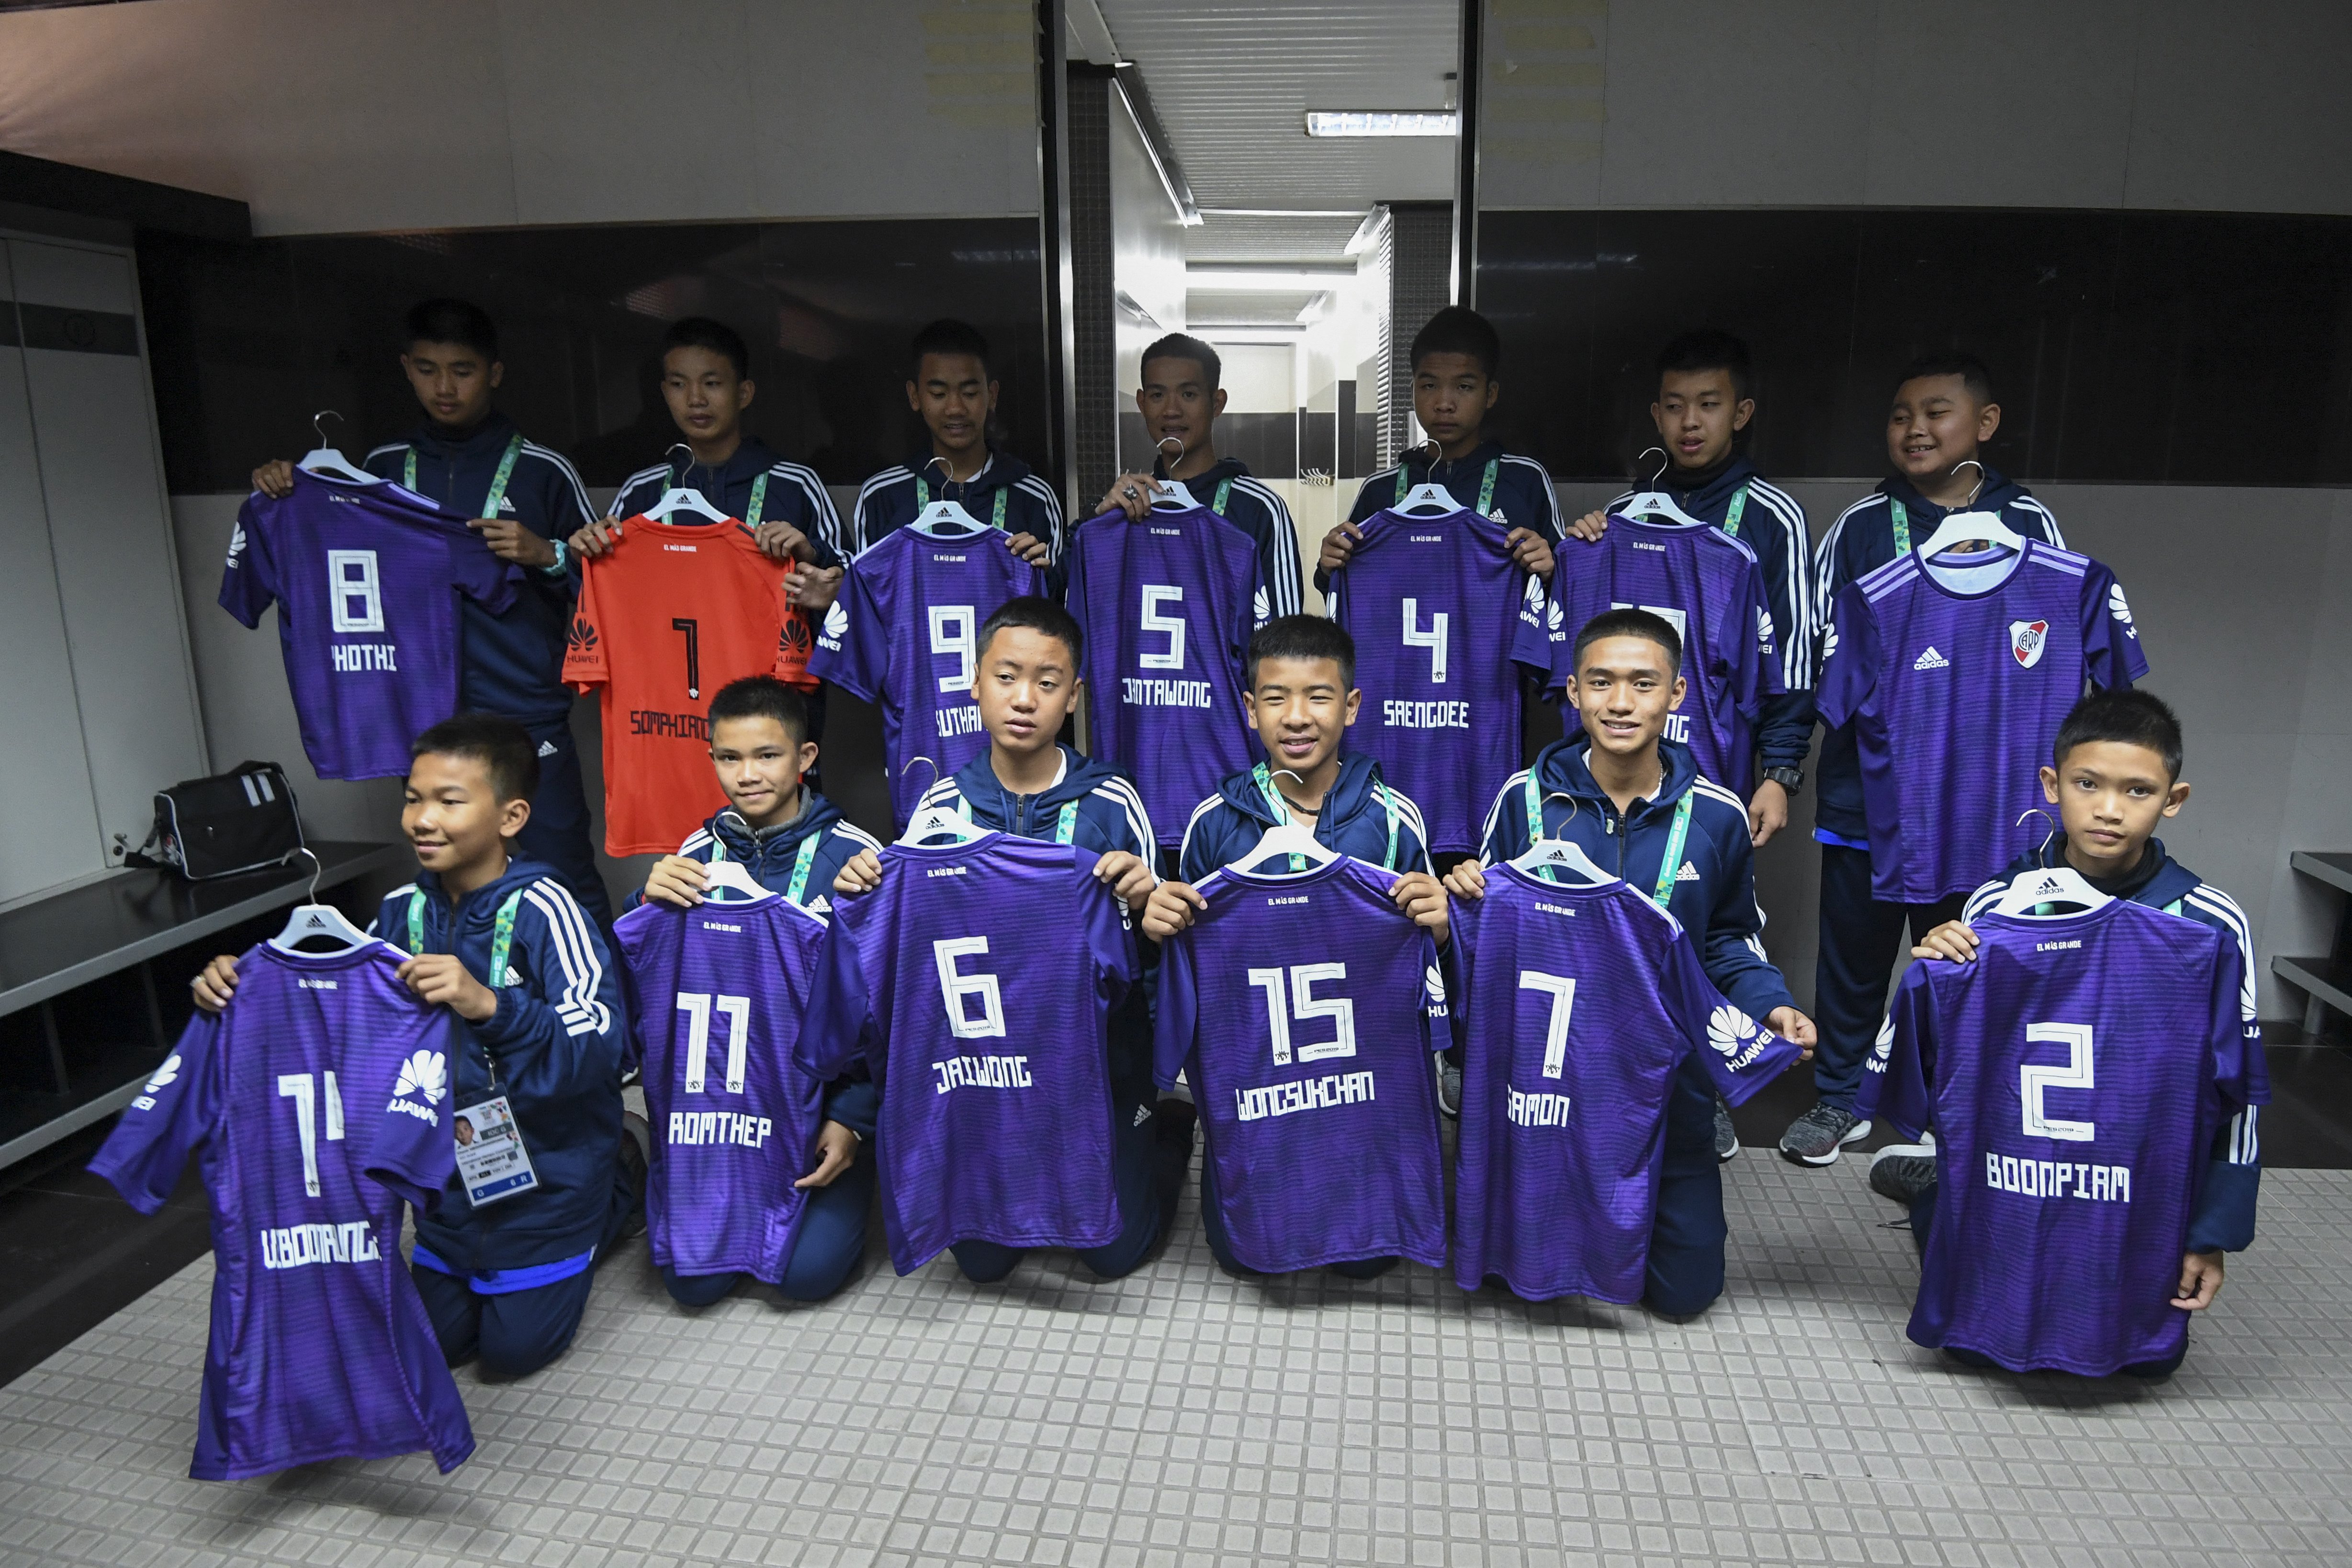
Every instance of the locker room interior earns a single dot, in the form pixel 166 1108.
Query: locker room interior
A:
pixel 214 214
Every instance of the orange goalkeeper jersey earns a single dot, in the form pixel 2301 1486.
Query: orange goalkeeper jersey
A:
pixel 665 618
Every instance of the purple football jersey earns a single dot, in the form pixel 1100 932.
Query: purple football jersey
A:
pixel 978 981
pixel 1708 587
pixel 1166 606
pixel 901 635
pixel 1298 1007
pixel 2075 1075
pixel 1577 1007
pixel 1955 677
pixel 719 992
pixel 1442 621
pixel 363 576
pixel 316 1104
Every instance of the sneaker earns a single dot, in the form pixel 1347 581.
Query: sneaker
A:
pixel 1815 1138
pixel 1902 1172
pixel 1449 1088
pixel 1727 1136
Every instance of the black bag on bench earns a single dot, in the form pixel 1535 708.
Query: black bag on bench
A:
pixel 232 822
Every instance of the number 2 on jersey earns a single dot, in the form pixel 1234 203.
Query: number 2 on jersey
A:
pixel 2034 1079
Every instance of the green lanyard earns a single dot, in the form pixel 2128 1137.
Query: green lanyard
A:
pixel 1225 494
pixel 1676 836
pixel 752 514
pixel 501 932
pixel 1281 809
pixel 498 480
pixel 1065 826
pixel 996 513
pixel 1485 491
pixel 1902 526
pixel 801 862
pixel 1738 509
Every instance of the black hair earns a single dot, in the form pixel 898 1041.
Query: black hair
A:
pixel 503 747
pixel 948 336
pixel 453 321
pixel 762 697
pixel 1040 614
pixel 1967 367
pixel 1630 623
pixel 1182 345
pixel 702 333
pixel 2129 718
pixel 1303 637
pixel 1710 348
pixel 1459 329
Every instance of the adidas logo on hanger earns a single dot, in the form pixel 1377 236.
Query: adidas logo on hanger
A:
pixel 547 748
pixel 1931 659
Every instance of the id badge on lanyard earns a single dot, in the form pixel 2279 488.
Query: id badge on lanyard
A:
pixel 491 1161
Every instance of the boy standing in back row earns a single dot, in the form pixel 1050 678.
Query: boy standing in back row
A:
pixel 1455 359
pixel 527 501
pixel 1706 402
pixel 952 386
pixel 1179 401
pixel 1943 414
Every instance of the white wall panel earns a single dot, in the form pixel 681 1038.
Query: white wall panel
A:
pixel 50 835
pixel 93 424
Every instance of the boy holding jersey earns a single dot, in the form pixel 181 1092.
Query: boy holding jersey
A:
pixel 1635 802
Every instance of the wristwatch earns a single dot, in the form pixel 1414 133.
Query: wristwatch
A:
pixel 562 553
pixel 1789 779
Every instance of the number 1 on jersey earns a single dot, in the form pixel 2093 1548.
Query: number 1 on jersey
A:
pixel 298 1087
pixel 693 630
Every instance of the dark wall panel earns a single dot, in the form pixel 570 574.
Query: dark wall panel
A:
pixel 2125 347
pixel 249 340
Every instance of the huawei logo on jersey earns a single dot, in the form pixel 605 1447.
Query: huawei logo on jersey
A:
pixel 424 1073
pixel 583 635
pixel 1728 1028
pixel 164 1074
pixel 235 543
pixel 836 621
pixel 792 640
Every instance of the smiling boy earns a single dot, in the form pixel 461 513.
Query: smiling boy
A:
pixel 499 941
pixel 1942 414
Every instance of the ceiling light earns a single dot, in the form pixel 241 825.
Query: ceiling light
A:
pixel 1381 122
pixel 1211 278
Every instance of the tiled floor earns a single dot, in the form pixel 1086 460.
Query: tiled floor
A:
pixel 1181 1416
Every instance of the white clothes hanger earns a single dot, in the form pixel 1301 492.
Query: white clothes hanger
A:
pixel 1561 855
pixel 312 920
pixel 1970 527
pixel 677 499
pixel 731 876
pixel 1288 838
pixel 1656 502
pixel 934 820
pixel 947 519
pixel 330 463
pixel 1172 495
pixel 2051 884
pixel 1428 495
